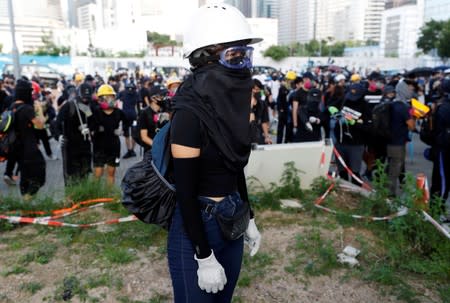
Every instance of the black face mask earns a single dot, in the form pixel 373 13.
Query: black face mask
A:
pixel 220 98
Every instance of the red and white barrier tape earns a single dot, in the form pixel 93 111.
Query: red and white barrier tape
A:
pixel 318 202
pixel 47 222
pixel 65 212
pixel 349 171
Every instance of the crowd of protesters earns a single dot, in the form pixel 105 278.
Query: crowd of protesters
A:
pixel 88 115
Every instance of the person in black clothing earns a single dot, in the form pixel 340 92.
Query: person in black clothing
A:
pixel 332 98
pixel 259 116
pixel 74 123
pixel 210 146
pixel 106 132
pixel 284 130
pixel 351 136
pixel 28 117
pixel 440 185
pixel 149 120
pixel 130 99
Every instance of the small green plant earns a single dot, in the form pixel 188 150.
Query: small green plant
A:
pixel 254 267
pixel 313 254
pixel 31 287
pixel 289 188
pixel 119 255
pixel 16 270
pixel 42 255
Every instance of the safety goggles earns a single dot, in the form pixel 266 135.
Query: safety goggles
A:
pixel 237 57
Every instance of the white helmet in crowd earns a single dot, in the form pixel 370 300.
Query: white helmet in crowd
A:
pixel 216 23
pixel 339 77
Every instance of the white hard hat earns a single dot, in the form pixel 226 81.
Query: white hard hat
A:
pixel 216 23
pixel 339 77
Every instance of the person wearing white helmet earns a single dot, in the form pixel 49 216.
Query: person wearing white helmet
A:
pixel 210 146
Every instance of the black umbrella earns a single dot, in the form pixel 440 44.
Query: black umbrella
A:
pixel 441 68
pixel 420 72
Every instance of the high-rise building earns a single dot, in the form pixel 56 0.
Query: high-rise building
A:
pixel 400 29
pixel 329 20
pixel 33 20
pixel 296 21
pixel 267 9
pixel 245 6
pixel 438 10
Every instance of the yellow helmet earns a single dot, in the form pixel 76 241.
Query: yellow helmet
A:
pixel 291 75
pixel 355 78
pixel 78 77
pixel 105 90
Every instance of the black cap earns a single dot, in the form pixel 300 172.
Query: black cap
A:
pixel 356 92
pixel 157 90
pixel 89 78
pixel 85 91
pixel 309 75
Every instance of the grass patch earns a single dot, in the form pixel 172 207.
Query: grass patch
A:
pixel 15 270
pixel 119 255
pixel 254 267
pixel 313 255
pixel 105 279
pixel 42 255
pixel 31 287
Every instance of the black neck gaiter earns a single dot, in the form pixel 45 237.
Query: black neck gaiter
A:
pixel 220 98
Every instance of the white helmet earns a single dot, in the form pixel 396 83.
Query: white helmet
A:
pixel 339 77
pixel 216 24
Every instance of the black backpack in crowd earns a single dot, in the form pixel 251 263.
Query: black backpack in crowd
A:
pixel 8 133
pixel 148 191
pixel 381 120
pixel 313 100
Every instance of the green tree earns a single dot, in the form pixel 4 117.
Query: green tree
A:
pixel 158 41
pixel 1 48
pixel 429 35
pixel 276 52
pixel 434 35
pixel 49 47
pixel 443 47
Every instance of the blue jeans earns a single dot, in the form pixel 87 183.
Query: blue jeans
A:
pixel 183 267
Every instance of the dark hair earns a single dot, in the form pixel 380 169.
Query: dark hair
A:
pixel 258 84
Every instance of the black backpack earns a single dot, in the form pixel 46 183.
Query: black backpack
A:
pixel 313 100
pixel 8 135
pixel 147 187
pixel 381 120
pixel 426 133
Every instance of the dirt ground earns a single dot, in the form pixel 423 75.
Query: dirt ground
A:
pixel 147 277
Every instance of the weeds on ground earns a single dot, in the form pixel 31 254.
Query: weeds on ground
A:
pixel 289 187
pixel 254 267
pixel 313 255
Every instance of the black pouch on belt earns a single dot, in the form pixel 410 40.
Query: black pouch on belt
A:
pixel 235 226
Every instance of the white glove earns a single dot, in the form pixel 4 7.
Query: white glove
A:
pixel 252 237
pixel 118 132
pixel 309 126
pixel 211 275
pixel 314 120
pixel 61 139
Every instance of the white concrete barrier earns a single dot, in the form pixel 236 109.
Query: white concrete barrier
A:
pixel 266 162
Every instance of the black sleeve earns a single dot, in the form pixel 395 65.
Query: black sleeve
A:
pixel 186 173
pixel 60 118
pixel 185 130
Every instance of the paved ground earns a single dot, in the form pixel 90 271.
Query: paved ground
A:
pixel 54 185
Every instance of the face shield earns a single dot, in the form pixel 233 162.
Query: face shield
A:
pixel 237 57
